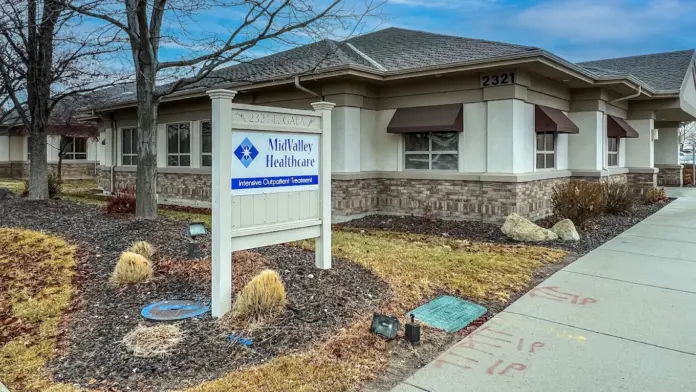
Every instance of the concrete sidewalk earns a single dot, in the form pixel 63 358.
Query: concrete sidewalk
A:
pixel 621 318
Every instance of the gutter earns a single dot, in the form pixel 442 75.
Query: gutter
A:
pixel 539 55
pixel 305 89
pixel 637 94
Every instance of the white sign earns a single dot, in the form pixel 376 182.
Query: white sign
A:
pixel 274 162
pixel 271 178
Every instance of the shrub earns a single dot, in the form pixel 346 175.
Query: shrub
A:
pixel 619 199
pixel 263 297
pixel 147 342
pixel 131 268
pixel 578 201
pixel 143 248
pixel 55 186
pixel 121 203
pixel 687 175
pixel 654 195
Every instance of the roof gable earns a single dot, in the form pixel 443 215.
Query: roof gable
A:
pixel 662 71
pixel 399 49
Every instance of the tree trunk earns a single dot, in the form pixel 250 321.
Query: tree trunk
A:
pixel 60 167
pixel 146 175
pixel 38 167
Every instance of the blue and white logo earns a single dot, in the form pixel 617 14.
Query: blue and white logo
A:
pixel 246 152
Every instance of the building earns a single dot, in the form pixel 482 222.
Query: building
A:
pixel 75 133
pixel 467 128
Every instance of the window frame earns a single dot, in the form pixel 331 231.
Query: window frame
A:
pixel 546 152
pixel 613 153
pixel 71 154
pixel 204 154
pixel 179 154
pixel 431 152
pixel 134 153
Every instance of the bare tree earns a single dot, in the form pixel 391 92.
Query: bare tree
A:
pixel 687 133
pixel 148 25
pixel 46 56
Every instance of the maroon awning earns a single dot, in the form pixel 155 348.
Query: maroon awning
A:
pixel 548 119
pixel 618 127
pixel 441 118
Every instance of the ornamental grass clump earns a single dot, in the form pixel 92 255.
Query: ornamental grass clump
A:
pixel 655 195
pixel 619 199
pixel 263 297
pixel 131 268
pixel 143 248
pixel 579 201
pixel 157 341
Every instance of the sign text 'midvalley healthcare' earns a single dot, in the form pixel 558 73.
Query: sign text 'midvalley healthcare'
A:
pixel 274 162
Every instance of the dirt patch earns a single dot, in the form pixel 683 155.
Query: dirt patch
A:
pixel 323 302
pixel 594 234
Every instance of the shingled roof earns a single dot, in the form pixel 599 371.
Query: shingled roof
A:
pixel 662 71
pixel 395 49
pixel 399 49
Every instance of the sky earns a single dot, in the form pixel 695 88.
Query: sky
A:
pixel 577 30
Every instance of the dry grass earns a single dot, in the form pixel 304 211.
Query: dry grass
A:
pixel 143 248
pixel 263 297
pixel 131 268
pixel 36 272
pixel 416 267
pixel 157 341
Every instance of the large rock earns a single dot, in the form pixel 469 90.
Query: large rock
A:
pixel 521 229
pixel 566 231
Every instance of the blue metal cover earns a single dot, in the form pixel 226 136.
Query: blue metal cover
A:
pixel 448 313
pixel 174 310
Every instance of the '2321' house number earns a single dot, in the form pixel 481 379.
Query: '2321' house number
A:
pixel 497 79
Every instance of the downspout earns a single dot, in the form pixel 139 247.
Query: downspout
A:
pixel 640 91
pixel 305 89
pixel 113 153
pixel 604 138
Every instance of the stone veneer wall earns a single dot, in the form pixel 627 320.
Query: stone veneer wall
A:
pixel 71 171
pixel 670 176
pixel 5 170
pixel 450 199
pixel 641 182
pixel 196 187
pixel 354 197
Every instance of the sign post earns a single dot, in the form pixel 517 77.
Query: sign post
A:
pixel 271 183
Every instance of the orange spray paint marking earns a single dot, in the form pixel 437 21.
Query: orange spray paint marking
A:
pixel 513 366
pixel 534 346
pixel 588 300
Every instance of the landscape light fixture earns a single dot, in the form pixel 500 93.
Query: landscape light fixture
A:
pixel 195 229
pixel 385 326
pixel 413 332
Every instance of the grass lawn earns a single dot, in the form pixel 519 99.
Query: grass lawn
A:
pixel 36 273
pixel 415 267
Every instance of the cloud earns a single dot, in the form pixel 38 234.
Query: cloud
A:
pixel 593 20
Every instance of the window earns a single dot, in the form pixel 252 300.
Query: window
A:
pixel 129 146
pixel 76 147
pixel 206 143
pixel 179 144
pixel 431 151
pixel 545 150
pixel 613 151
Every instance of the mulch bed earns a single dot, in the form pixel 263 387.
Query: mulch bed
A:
pixel 93 357
pixel 593 235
